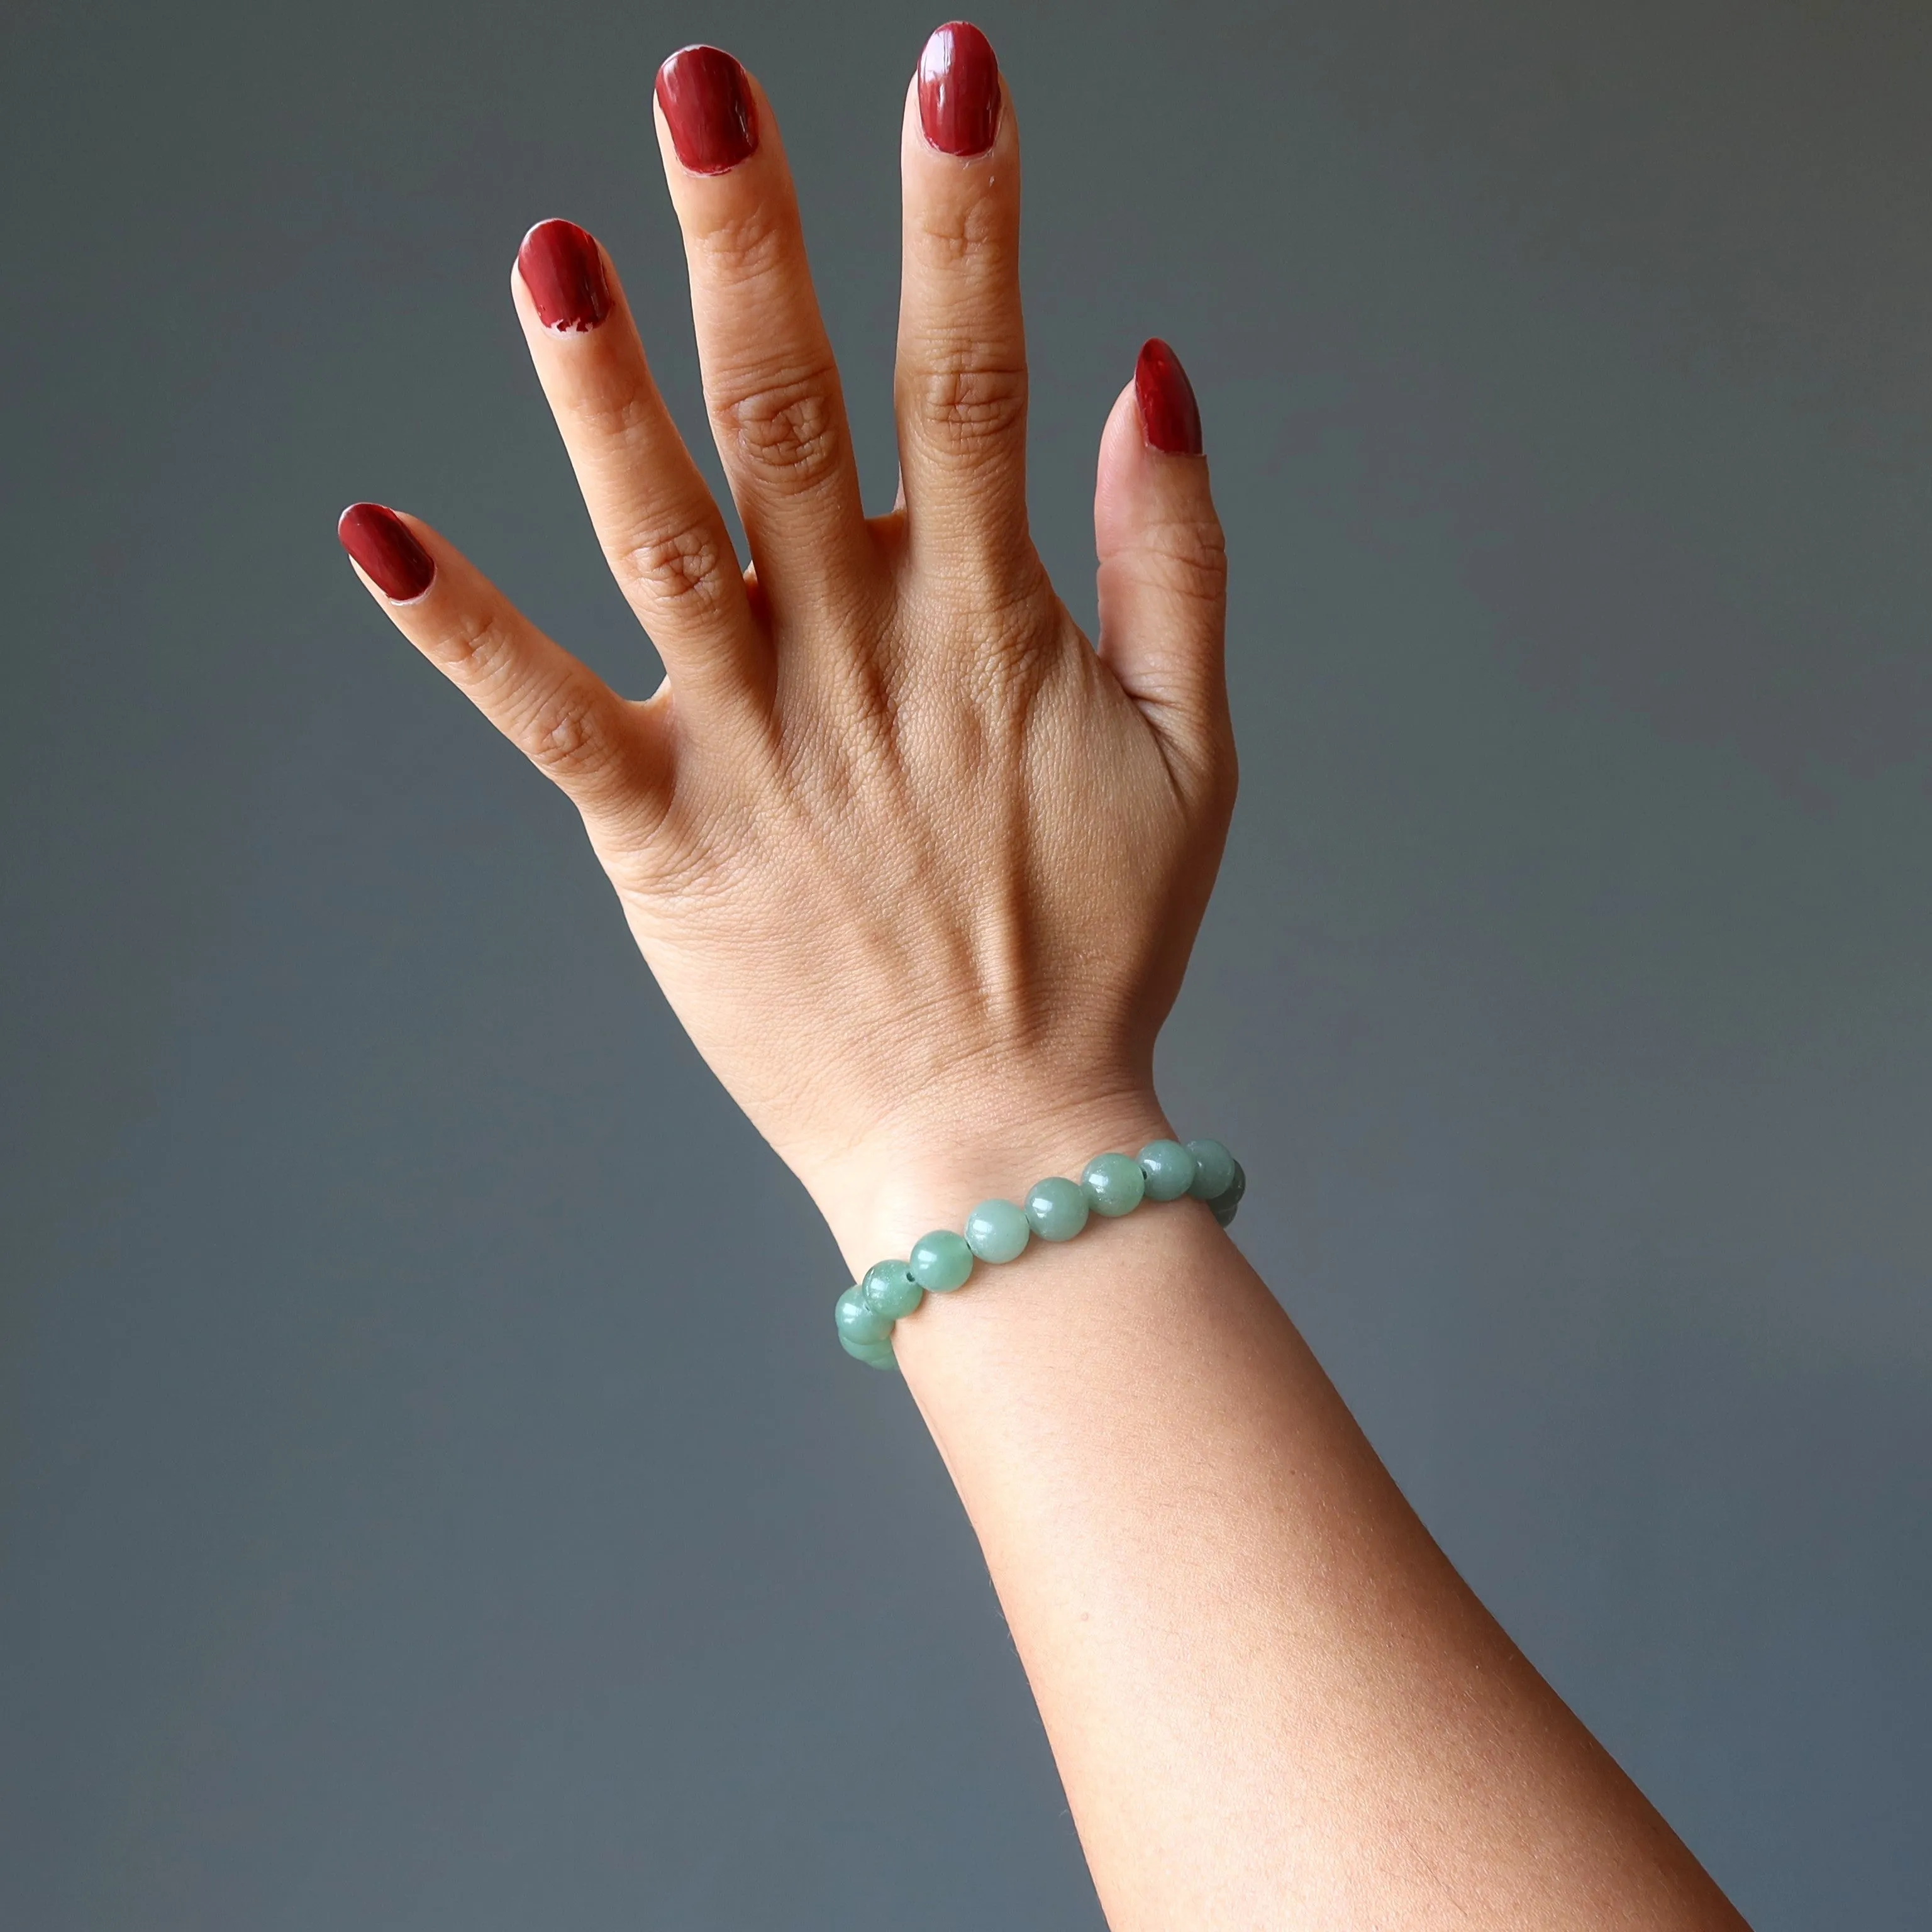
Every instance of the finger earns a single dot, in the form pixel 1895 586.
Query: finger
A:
pixel 662 534
pixel 770 385
pixel 961 386
pixel 1163 576
pixel 608 755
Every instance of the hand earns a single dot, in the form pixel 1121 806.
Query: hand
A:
pixel 918 868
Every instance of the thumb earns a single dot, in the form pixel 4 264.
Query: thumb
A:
pixel 1163 575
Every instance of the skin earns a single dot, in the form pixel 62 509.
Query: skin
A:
pixel 919 869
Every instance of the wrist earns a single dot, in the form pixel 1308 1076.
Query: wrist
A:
pixel 929 1169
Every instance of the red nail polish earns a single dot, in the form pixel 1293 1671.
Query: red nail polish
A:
pixel 563 267
pixel 1170 417
pixel 380 540
pixel 959 90
pixel 707 104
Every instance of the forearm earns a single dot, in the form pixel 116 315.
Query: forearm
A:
pixel 1271 1699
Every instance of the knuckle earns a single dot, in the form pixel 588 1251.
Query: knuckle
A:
pixel 1185 557
pixel 969 406
pixel 746 246
pixel 786 430
pixel 626 413
pixel 1018 650
pixel 684 567
pixel 564 722
pixel 568 742
pixel 1213 771
pixel 947 232
pixel 474 650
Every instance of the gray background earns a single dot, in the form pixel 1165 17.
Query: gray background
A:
pixel 429 1494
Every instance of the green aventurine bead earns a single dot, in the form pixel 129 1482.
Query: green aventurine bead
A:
pixel 941 1260
pixel 873 1354
pixel 858 1323
pixel 1224 1204
pixel 1057 1208
pixel 889 1289
pixel 1169 1168
pixel 996 1231
pixel 1213 1170
pixel 1113 1184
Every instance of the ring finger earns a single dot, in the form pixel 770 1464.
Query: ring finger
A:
pixel 662 535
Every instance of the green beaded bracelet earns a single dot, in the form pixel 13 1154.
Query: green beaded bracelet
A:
pixel 1056 1210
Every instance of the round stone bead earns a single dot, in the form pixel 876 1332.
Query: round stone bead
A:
pixel 996 1231
pixel 1213 1170
pixel 889 1289
pixel 941 1261
pixel 1057 1208
pixel 1169 1168
pixel 1113 1184
pixel 873 1354
pixel 857 1322
pixel 1223 1204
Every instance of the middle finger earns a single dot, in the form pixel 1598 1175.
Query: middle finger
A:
pixel 960 385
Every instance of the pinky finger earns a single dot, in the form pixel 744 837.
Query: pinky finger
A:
pixel 607 755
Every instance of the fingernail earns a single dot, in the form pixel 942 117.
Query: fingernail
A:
pixel 959 90
pixel 707 104
pixel 380 540
pixel 1170 417
pixel 563 267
